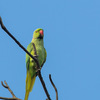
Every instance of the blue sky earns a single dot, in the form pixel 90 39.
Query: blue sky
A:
pixel 72 41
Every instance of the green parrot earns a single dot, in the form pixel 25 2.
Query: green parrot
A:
pixel 30 63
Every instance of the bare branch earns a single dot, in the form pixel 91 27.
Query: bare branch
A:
pixel 53 86
pixel 7 87
pixel 9 98
pixel 5 29
pixel 38 73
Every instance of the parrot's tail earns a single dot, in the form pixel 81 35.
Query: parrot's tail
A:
pixel 26 95
pixel 29 84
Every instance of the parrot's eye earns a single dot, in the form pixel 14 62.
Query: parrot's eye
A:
pixel 35 31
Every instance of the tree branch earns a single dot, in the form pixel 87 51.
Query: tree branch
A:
pixel 7 87
pixel 53 86
pixel 38 73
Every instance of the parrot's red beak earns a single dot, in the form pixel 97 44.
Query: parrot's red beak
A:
pixel 41 32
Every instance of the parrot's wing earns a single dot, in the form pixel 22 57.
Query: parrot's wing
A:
pixel 44 57
pixel 29 49
pixel 30 79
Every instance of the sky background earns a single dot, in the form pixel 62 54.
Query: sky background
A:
pixel 71 38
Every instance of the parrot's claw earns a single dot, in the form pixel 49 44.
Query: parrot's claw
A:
pixel 36 56
pixel 38 69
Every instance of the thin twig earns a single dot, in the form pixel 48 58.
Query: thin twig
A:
pixel 39 73
pixel 9 98
pixel 4 85
pixel 7 87
pixel 53 86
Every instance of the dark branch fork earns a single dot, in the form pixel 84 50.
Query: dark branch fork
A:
pixel 34 58
pixel 7 87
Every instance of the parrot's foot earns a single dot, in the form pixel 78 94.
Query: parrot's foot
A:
pixel 36 56
pixel 38 69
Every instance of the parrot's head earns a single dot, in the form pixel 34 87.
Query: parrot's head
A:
pixel 38 34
